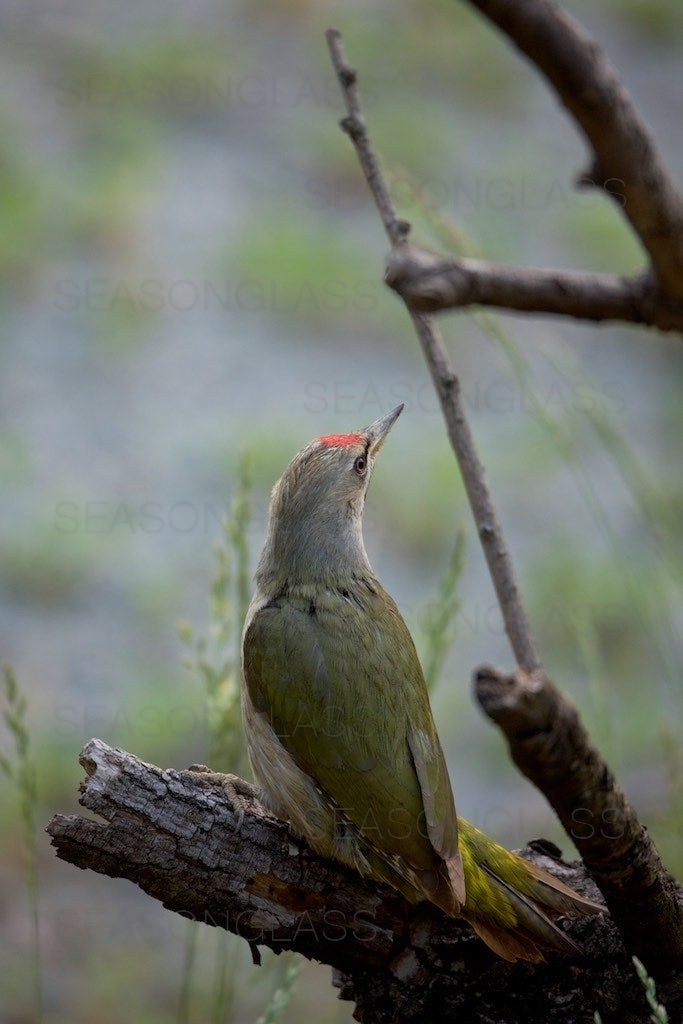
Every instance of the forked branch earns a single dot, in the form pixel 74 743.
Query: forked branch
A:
pixel 625 163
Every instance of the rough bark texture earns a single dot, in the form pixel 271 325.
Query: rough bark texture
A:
pixel 550 746
pixel 176 835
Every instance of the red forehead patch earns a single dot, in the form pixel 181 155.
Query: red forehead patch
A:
pixel 341 440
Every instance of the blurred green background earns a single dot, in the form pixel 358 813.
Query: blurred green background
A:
pixel 191 269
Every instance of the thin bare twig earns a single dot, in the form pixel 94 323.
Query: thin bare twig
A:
pixel 355 127
pixel 445 381
pixel 490 532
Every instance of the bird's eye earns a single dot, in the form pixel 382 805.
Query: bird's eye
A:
pixel 360 465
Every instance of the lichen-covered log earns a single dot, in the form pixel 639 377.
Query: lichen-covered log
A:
pixel 176 835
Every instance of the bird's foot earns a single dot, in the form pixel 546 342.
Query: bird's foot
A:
pixel 237 790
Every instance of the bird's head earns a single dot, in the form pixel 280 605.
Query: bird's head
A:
pixel 316 507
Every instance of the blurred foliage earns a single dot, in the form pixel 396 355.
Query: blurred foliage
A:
pixel 282 995
pixel 658 20
pixel 15 459
pixel 659 1014
pixel 20 769
pixel 182 75
pixel 215 658
pixel 22 209
pixel 41 567
pixel 296 270
pixel 438 625
pixel 600 239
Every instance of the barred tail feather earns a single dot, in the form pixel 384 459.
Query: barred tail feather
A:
pixel 534 930
pixel 508 945
pixel 553 893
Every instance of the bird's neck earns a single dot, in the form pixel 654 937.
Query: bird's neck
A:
pixel 325 550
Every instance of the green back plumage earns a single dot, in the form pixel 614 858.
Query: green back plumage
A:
pixel 337 675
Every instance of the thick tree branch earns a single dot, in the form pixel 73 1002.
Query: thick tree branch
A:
pixel 626 164
pixel 547 739
pixel 176 835
pixel 550 746
pixel 428 282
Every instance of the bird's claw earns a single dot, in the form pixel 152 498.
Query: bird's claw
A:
pixel 237 790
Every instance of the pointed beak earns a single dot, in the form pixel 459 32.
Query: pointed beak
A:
pixel 377 431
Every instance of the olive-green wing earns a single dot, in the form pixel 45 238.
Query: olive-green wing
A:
pixel 437 799
pixel 340 683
